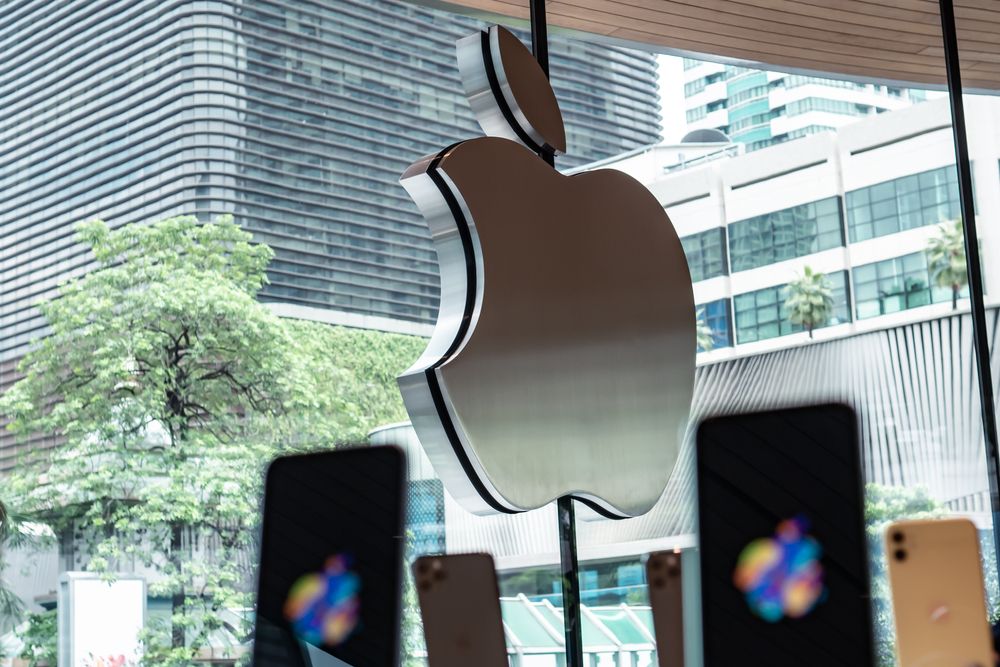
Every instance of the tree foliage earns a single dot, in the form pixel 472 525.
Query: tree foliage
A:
pixel 17 531
pixel 171 386
pixel 883 505
pixel 809 300
pixel 946 258
pixel 11 606
pixel 41 646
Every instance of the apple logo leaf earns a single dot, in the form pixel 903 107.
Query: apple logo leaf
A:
pixel 562 361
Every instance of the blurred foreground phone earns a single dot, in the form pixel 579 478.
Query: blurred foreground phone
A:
pixel 663 577
pixel 937 594
pixel 782 542
pixel 330 575
pixel 460 607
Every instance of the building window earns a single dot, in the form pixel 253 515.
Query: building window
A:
pixel 761 314
pixel 895 284
pixel 752 93
pixel 715 315
pixel 913 201
pixel 706 254
pixel 830 106
pixel 786 234
pixel 694 87
pixel 425 515
pixel 697 113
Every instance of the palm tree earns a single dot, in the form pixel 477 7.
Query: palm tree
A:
pixel 17 530
pixel 705 335
pixel 809 300
pixel 11 606
pixel 946 258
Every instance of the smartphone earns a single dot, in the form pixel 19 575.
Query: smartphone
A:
pixel 460 606
pixel 328 592
pixel 783 552
pixel 937 594
pixel 663 577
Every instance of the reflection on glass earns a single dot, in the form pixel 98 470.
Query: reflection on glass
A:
pixel 299 120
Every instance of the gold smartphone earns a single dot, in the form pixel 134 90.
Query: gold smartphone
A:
pixel 663 576
pixel 460 606
pixel 937 594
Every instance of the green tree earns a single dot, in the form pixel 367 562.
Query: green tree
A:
pixel 170 386
pixel 946 258
pixel 809 300
pixel 704 333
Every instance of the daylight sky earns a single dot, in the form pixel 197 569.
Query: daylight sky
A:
pixel 672 98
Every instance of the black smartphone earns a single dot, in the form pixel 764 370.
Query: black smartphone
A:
pixel 782 544
pixel 328 592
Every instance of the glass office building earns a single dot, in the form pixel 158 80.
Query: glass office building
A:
pixel 758 108
pixel 298 118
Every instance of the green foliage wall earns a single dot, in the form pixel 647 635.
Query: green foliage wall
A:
pixel 368 363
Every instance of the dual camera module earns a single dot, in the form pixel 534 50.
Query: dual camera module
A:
pixel 898 538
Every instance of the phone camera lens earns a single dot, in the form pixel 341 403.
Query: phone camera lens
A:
pixel 900 554
pixel 897 536
pixel 673 570
pixel 659 583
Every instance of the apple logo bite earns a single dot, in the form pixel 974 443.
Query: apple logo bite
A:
pixel 562 361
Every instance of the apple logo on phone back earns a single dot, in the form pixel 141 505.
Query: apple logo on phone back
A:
pixel 562 361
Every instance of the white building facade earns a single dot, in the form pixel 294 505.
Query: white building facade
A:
pixel 859 205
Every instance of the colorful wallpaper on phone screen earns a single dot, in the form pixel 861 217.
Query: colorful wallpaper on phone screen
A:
pixel 781 576
pixel 323 607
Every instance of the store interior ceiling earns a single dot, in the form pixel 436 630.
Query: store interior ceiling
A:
pixel 888 41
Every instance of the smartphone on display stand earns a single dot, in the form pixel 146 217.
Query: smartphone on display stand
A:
pixel 460 606
pixel 666 601
pixel 328 591
pixel 937 594
pixel 783 552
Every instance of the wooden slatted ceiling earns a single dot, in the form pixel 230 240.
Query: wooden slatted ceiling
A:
pixel 880 40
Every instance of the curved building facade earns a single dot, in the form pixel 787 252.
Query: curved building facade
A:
pixel 296 117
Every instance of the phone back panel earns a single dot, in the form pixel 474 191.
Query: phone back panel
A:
pixel 663 576
pixel 460 607
pixel 937 594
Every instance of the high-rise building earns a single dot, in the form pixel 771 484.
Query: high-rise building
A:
pixel 298 118
pixel 758 108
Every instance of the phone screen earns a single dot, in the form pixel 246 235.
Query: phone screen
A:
pixel 331 560
pixel 782 542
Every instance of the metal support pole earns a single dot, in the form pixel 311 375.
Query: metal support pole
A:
pixel 540 49
pixel 975 270
pixel 540 34
pixel 570 582
pixel 569 566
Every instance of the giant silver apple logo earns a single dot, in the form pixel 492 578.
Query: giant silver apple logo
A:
pixel 562 362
